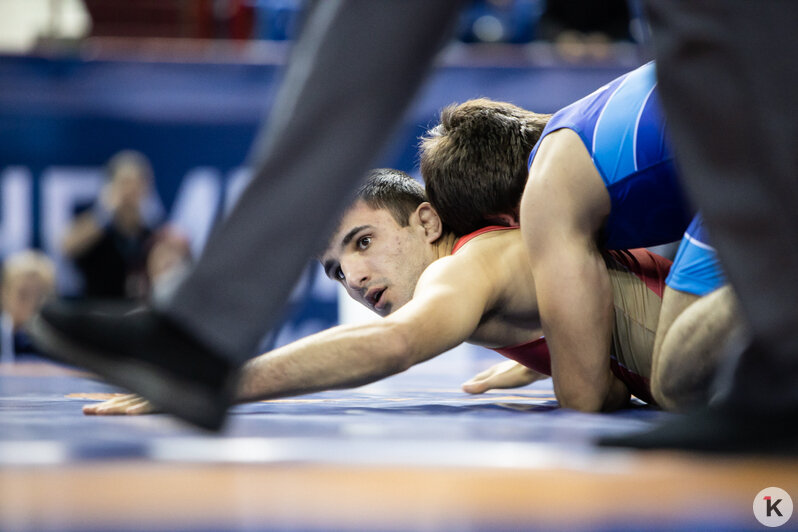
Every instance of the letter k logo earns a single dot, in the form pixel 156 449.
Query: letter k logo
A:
pixel 773 506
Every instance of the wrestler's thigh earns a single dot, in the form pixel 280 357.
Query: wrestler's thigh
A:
pixel 674 302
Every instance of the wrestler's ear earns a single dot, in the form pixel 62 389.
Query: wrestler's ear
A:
pixel 430 221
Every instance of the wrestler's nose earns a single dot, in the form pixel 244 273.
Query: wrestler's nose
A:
pixel 356 273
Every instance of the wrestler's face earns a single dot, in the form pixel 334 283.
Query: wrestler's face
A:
pixel 376 259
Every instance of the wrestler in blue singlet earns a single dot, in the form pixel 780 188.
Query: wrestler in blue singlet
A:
pixel 624 130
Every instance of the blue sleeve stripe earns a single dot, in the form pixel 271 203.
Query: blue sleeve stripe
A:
pixel 698 243
pixel 614 134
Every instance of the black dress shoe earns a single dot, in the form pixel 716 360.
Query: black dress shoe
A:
pixel 141 351
pixel 721 430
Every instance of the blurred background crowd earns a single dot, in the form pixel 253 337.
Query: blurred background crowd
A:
pixel 579 27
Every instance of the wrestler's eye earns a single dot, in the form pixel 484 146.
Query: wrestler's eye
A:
pixel 364 242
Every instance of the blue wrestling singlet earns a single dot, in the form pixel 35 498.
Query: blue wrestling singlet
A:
pixel 696 269
pixel 623 128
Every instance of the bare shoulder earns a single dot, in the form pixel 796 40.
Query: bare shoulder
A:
pixel 491 248
pixel 564 183
pixel 475 265
pixel 492 261
pixel 563 146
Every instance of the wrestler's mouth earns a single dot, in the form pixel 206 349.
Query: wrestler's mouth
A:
pixel 374 298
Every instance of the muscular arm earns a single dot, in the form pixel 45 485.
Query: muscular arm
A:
pixel 563 207
pixel 440 316
pixel 342 357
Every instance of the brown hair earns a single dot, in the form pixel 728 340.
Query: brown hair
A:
pixel 474 163
pixel 394 190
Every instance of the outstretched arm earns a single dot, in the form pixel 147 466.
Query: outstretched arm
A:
pixel 440 316
pixel 342 357
pixel 563 207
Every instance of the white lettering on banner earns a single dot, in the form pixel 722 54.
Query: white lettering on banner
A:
pixel 202 193
pixel 200 197
pixel 236 183
pixel 63 189
pixel 196 205
pixel 16 223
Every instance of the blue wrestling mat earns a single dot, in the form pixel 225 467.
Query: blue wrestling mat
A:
pixel 409 453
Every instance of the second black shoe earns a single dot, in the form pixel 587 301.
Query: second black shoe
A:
pixel 719 430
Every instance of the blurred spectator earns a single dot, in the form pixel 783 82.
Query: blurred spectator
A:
pixel 505 21
pixel 28 278
pixel 109 242
pixel 585 28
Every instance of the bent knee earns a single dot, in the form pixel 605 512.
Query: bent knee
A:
pixel 665 394
pixel 678 392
